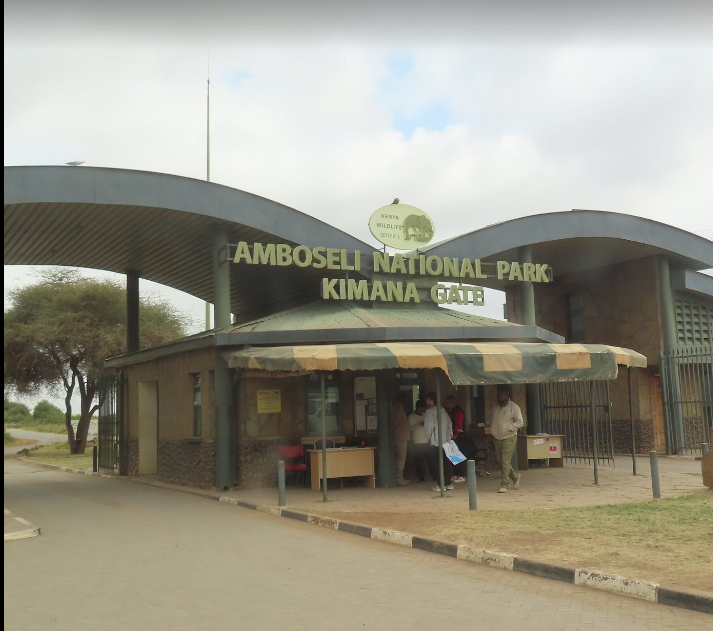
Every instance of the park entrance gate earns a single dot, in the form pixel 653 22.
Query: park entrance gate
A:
pixel 110 424
pixel 687 378
pixel 567 410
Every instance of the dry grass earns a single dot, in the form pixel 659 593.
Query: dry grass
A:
pixel 669 541
pixel 58 454
pixel 664 539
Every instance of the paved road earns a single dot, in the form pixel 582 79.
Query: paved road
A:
pixel 42 438
pixel 119 555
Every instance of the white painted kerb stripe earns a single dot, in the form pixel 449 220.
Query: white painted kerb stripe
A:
pixel 617 584
pixel 392 536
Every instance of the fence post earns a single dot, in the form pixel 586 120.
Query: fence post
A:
pixel 595 431
pixel 655 482
pixel 95 459
pixel 633 425
pixel 472 489
pixel 281 501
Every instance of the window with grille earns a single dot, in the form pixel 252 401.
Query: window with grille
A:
pixel 694 323
pixel 197 406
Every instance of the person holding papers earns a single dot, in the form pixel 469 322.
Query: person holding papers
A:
pixel 436 442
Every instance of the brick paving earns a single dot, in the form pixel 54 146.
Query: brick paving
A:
pixel 129 556
pixel 544 487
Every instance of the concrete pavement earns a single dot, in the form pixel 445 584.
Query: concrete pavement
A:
pixel 127 556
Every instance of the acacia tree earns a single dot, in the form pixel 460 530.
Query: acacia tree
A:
pixel 59 331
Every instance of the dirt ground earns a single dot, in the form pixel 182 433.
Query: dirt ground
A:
pixel 667 549
pixel 534 522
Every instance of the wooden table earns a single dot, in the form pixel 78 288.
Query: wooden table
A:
pixel 345 462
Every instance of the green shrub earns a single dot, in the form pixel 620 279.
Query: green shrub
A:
pixel 8 438
pixel 16 413
pixel 45 412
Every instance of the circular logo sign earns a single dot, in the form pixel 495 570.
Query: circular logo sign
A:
pixel 401 226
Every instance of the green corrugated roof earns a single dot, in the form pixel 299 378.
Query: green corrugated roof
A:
pixel 343 315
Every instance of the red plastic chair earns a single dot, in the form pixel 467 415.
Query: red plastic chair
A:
pixel 294 457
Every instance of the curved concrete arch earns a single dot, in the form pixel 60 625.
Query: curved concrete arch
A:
pixel 123 187
pixel 160 226
pixel 629 236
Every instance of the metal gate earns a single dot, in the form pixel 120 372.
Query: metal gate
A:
pixel 687 379
pixel 109 426
pixel 567 410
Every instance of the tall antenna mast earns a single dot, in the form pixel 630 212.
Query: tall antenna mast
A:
pixel 207 168
pixel 207 139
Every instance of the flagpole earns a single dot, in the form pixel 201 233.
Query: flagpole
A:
pixel 207 168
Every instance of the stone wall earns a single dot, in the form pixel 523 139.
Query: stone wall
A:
pixel 621 431
pixel 187 462
pixel 257 461
pixel 620 306
pixel 133 457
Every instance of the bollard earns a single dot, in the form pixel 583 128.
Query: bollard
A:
pixel 705 448
pixel 655 482
pixel 95 459
pixel 281 501
pixel 472 494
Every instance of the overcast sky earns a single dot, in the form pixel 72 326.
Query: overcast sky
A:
pixel 476 112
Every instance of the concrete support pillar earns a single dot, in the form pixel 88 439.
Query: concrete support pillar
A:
pixel 672 380
pixel 385 429
pixel 224 426
pixel 132 311
pixel 221 278
pixel 527 306
pixel 667 306
pixel 527 290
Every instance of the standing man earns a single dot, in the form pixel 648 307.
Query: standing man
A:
pixel 436 442
pixel 419 440
pixel 504 423
pixel 402 432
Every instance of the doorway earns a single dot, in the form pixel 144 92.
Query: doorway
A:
pixel 148 427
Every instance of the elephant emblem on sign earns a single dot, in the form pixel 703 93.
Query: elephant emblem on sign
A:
pixel 418 227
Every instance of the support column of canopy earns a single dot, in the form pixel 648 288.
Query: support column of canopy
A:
pixel 224 416
pixel 527 305
pixel 132 311
pixel 385 430
pixel 221 278
pixel 672 379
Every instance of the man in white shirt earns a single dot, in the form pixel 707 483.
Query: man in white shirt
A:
pixel 431 425
pixel 506 419
pixel 420 448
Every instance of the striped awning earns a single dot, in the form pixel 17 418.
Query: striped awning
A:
pixel 469 363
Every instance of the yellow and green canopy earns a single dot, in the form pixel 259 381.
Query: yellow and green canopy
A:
pixel 464 363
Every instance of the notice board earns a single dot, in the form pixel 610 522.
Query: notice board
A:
pixel 365 404
pixel 269 401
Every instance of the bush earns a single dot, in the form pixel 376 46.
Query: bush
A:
pixel 46 413
pixel 8 438
pixel 16 413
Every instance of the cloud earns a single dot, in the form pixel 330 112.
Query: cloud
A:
pixel 552 22
pixel 473 133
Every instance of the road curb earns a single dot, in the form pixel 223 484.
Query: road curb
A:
pixel 29 530
pixel 633 588
pixel 22 534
